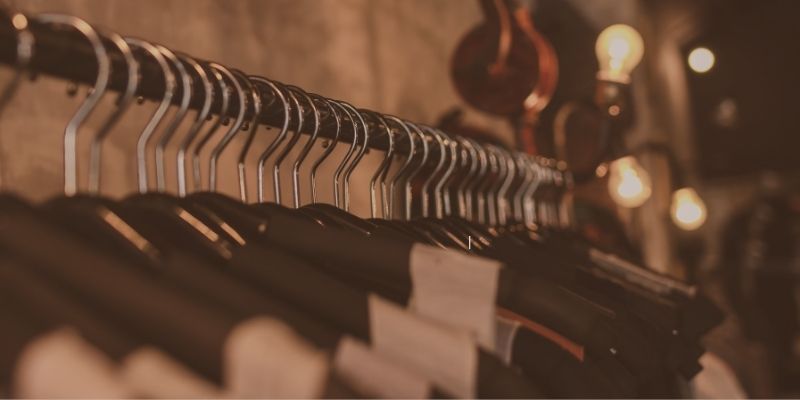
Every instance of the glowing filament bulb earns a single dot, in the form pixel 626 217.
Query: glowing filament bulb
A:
pixel 619 49
pixel 688 211
pixel 628 183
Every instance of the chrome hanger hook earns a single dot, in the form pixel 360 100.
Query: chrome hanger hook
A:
pixel 405 167
pixel 350 151
pixel 439 165
pixel 256 108
pixel 380 173
pixel 90 103
pixel 123 102
pixel 237 124
pixel 307 147
pixel 224 96
pixel 441 191
pixel 262 159
pixel 464 198
pixel 359 155
pixel 328 150
pixel 425 153
pixel 158 115
pixel 276 166
pixel 185 83
pixel 200 119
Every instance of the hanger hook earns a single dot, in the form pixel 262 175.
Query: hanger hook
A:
pixel 224 92
pixel 350 151
pixel 502 193
pixel 484 176
pixel 122 104
pixel 439 165
pixel 197 124
pixel 423 161
pixel 256 108
pixel 158 115
pixel 237 124
pixel 518 202
pixel 307 147
pixel 380 172
pixel 185 87
pixel 90 103
pixel 470 156
pixel 405 167
pixel 442 191
pixel 328 150
pixel 262 159
pixel 359 155
pixel 531 219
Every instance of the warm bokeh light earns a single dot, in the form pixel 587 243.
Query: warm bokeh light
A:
pixel 688 210
pixel 619 50
pixel 701 60
pixel 628 184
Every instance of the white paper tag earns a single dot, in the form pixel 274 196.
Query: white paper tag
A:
pixel 457 289
pixel 445 356
pixel 264 358
pixel 151 373
pixel 60 364
pixel 376 376
pixel 504 339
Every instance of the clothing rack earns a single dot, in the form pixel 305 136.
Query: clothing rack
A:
pixel 260 300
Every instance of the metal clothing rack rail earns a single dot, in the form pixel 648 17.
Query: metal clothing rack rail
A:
pixel 61 52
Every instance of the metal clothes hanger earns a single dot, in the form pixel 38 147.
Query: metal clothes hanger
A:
pixel 328 150
pixel 470 155
pixel 350 151
pixel 200 119
pixel 223 93
pixel 484 177
pixel 185 86
pixel 262 159
pixel 414 172
pixel 276 164
pixel 123 102
pixel 440 189
pixel 470 190
pixel 85 109
pixel 425 191
pixel 253 123
pixel 359 155
pixel 531 220
pixel 158 115
pixel 234 128
pixel 306 148
pixel 404 168
pixel 381 170
pixel 518 197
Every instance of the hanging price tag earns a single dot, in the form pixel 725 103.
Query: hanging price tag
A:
pixel 457 289
pixel 445 356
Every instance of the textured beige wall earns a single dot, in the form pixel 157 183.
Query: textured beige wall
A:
pixel 386 55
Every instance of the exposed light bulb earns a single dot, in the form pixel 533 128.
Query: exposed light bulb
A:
pixel 688 210
pixel 619 50
pixel 701 60
pixel 628 183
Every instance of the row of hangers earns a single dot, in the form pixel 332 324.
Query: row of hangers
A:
pixel 485 184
